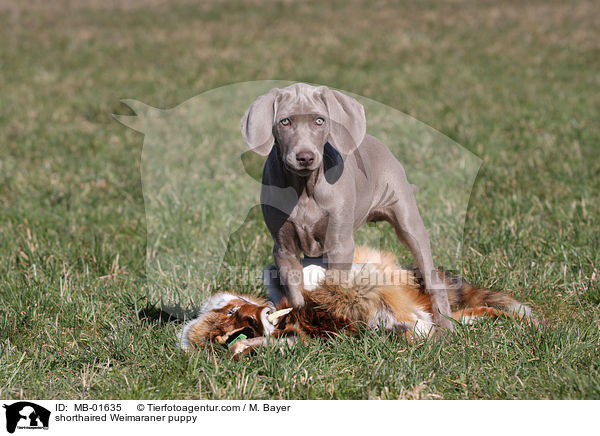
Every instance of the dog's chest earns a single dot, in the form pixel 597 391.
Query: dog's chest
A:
pixel 310 225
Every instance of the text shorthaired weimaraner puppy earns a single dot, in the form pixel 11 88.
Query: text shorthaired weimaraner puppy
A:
pixel 324 178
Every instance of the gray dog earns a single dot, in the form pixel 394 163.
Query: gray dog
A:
pixel 326 177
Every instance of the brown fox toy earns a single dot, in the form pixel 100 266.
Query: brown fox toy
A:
pixel 376 293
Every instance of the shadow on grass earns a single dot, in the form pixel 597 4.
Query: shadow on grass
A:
pixel 155 314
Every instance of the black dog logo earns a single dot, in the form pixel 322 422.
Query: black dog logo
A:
pixel 30 413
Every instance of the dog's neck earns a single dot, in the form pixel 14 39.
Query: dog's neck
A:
pixel 303 185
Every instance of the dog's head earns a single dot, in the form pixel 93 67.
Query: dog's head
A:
pixel 300 120
pixel 224 317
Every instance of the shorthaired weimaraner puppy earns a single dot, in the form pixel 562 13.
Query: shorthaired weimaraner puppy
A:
pixel 324 178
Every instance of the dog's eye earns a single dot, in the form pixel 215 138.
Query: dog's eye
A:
pixel 320 121
pixel 285 122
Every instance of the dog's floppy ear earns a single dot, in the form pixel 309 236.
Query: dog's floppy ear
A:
pixel 348 124
pixel 257 123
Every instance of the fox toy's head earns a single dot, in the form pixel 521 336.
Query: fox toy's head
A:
pixel 226 317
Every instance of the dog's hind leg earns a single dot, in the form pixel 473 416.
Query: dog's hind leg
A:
pixel 407 222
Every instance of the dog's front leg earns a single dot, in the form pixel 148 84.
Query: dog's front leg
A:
pixel 290 268
pixel 339 243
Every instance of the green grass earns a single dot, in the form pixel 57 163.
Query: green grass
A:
pixel 514 83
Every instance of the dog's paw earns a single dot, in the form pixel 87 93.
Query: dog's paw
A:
pixel 443 324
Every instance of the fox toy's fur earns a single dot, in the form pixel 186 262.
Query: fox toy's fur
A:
pixel 377 293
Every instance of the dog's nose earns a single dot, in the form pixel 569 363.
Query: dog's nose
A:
pixel 305 158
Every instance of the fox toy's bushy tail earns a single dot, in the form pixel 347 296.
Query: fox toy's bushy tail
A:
pixel 469 302
pixel 465 299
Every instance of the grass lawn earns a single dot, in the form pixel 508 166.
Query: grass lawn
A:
pixel 514 82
